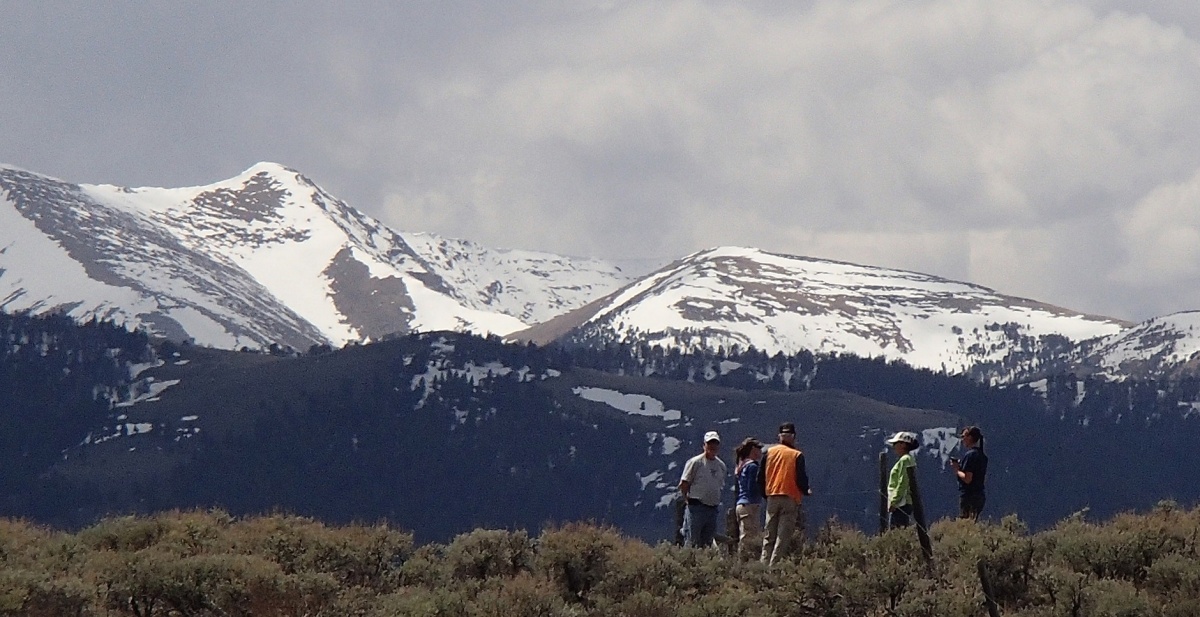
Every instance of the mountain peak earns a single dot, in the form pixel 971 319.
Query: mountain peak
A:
pixel 742 297
pixel 264 257
pixel 276 171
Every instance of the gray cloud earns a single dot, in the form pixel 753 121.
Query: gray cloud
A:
pixel 1047 149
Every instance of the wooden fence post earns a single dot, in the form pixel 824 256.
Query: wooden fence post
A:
pixel 883 500
pixel 919 517
pixel 992 609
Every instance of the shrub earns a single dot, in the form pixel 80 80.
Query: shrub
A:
pixel 426 567
pixel 354 555
pixel 212 584
pixel 818 586
pixel 521 595
pixel 667 570
pixel 576 557
pixel 419 602
pixel 22 544
pixel 30 594
pixel 1115 598
pixel 640 603
pixel 208 563
pixel 125 533
pixel 1060 589
pixel 486 553
pixel 195 532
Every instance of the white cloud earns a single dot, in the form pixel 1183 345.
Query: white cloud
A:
pixel 1035 146
pixel 1161 236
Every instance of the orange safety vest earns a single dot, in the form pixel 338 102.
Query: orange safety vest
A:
pixel 780 469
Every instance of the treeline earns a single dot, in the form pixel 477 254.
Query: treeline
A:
pixel 208 563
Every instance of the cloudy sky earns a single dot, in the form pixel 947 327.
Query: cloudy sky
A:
pixel 1045 148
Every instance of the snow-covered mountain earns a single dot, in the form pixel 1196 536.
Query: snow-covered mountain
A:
pixel 1163 347
pixel 270 257
pixel 780 303
pixel 266 257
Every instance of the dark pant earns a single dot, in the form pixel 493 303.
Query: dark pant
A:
pixel 900 517
pixel 699 524
pixel 970 506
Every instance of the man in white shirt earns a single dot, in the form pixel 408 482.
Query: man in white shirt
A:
pixel 701 484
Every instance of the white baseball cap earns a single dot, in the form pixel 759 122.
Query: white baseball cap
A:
pixel 712 436
pixel 906 437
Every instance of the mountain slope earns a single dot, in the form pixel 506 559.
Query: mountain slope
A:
pixel 262 258
pixel 1160 348
pixel 779 303
pixel 441 432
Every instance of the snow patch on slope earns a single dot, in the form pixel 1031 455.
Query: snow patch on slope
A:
pixel 634 404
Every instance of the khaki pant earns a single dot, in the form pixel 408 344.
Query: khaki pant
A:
pixel 749 522
pixel 782 512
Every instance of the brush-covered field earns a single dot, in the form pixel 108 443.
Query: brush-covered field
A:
pixel 208 563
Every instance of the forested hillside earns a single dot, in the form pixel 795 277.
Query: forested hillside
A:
pixel 58 380
pixel 441 433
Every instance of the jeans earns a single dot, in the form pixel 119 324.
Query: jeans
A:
pixel 699 525
pixel 782 512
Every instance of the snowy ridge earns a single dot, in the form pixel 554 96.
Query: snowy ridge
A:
pixel 266 257
pixel 270 257
pixel 529 285
pixel 744 297
pixel 1160 347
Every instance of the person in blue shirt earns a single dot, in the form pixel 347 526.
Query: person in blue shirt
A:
pixel 971 472
pixel 749 498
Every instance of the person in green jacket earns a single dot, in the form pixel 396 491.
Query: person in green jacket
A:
pixel 899 488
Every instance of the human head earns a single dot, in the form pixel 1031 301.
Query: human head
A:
pixel 972 437
pixel 746 449
pixel 712 443
pixel 787 433
pixel 904 441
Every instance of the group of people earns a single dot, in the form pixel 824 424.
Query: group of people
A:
pixel 970 471
pixel 775 477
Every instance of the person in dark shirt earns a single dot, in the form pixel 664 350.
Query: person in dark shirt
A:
pixel 971 472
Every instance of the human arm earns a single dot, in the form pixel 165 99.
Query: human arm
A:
pixel 761 479
pixel 685 480
pixel 965 471
pixel 802 477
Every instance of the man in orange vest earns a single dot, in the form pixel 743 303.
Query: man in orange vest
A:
pixel 784 481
